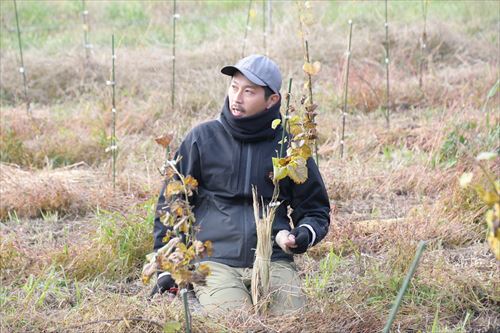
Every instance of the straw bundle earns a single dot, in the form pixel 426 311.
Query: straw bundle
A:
pixel 260 271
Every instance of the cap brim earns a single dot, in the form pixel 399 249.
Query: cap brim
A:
pixel 230 70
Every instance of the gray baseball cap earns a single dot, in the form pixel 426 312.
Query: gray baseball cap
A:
pixel 259 69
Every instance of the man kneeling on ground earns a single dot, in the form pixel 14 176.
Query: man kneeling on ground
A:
pixel 227 156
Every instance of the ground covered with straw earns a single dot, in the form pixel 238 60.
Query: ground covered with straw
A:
pixel 72 246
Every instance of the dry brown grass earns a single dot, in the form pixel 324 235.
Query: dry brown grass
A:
pixel 67 191
pixel 75 268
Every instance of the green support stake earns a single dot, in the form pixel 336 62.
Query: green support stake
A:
pixel 22 70
pixel 406 282
pixel 187 314
pixel 174 19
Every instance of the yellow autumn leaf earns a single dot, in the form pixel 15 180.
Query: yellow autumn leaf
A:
pixel 148 271
pixel 297 170
pixel 312 69
pixel 191 182
pixel 279 168
pixel 208 247
pixel 204 269
pixel 303 151
pixel 489 197
pixel 174 188
pixel 275 123
pixel 306 85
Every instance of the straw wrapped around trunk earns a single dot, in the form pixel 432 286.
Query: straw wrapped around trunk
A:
pixel 261 266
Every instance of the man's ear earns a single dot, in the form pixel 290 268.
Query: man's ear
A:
pixel 272 100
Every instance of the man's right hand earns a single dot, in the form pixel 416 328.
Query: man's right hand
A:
pixel 164 283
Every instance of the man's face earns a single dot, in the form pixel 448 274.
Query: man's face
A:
pixel 246 98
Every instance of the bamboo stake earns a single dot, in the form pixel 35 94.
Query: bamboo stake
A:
pixel 269 17
pixel 247 27
pixel 406 282
pixel 86 29
pixel 310 99
pixel 423 43
pixel 174 18
pixel 264 32
pixel 113 110
pixel 346 85
pixel 22 69
pixel 187 314
pixel 387 103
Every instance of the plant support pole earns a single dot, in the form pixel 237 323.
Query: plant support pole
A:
pixel 86 29
pixel 346 85
pixel 247 27
pixel 113 111
pixel 387 102
pixel 269 17
pixel 264 28
pixel 406 282
pixel 187 314
pixel 309 80
pixel 21 69
pixel 423 44
pixel 174 18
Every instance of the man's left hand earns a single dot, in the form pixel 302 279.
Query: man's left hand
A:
pixel 298 240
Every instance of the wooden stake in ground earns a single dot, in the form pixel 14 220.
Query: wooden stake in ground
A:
pixel 387 102
pixel 247 27
pixel 113 147
pixel 22 69
pixel 423 44
pixel 346 85
pixel 175 16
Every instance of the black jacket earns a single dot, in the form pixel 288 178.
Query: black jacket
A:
pixel 226 168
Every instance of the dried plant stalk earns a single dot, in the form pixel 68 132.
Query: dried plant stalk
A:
pixel 261 266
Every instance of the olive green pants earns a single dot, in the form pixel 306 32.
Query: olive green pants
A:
pixel 229 288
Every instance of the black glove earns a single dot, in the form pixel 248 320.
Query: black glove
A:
pixel 302 239
pixel 164 283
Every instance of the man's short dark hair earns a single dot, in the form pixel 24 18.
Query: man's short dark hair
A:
pixel 268 92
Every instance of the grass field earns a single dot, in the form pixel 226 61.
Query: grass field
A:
pixel 72 249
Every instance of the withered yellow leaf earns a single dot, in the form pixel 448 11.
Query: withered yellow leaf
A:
pixel 297 170
pixel 191 182
pixel 312 69
pixel 174 188
pixel 279 168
